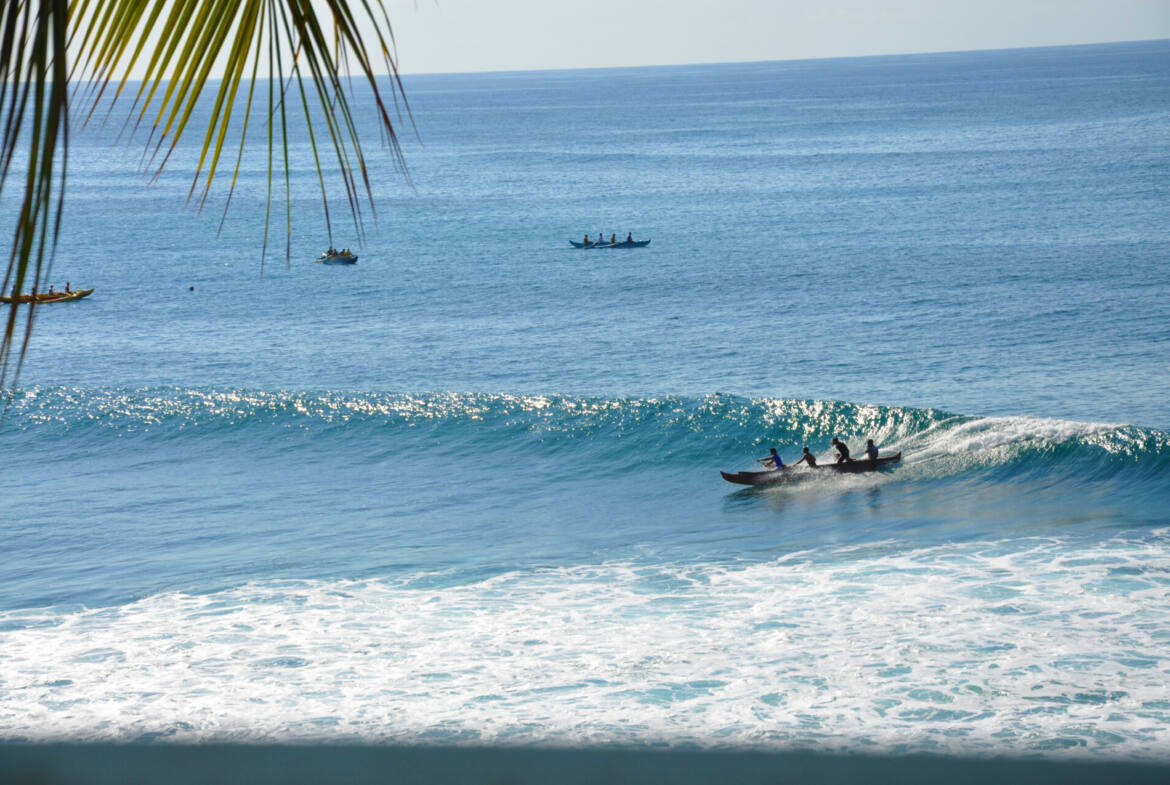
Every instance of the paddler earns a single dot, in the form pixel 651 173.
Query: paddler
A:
pixel 871 450
pixel 772 461
pixel 807 457
pixel 842 451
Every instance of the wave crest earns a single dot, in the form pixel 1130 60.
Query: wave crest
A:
pixel 620 433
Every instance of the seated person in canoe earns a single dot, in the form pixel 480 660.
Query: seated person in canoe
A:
pixel 807 457
pixel 773 461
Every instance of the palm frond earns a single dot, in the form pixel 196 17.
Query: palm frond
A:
pixel 178 44
pixel 32 59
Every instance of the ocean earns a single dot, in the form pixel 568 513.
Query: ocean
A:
pixel 467 490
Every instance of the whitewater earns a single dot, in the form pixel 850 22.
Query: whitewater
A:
pixel 467 490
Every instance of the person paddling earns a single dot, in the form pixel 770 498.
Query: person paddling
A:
pixel 871 450
pixel 806 457
pixel 772 461
pixel 842 451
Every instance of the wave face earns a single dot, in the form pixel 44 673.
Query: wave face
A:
pixel 643 431
pixel 605 435
pixel 253 484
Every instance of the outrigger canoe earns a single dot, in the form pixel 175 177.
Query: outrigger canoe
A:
pixel 622 244
pixel 337 257
pixel 788 472
pixel 45 297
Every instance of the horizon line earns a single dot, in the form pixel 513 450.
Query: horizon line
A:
pixel 783 60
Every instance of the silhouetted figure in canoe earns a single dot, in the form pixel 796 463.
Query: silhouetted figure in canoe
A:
pixel 806 457
pixel 587 240
pixel 630 237
pixel 612 239
pixel 842 451
pixel 871 450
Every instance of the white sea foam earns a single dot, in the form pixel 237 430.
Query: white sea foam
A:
pixel 1017 646
pixel 988 434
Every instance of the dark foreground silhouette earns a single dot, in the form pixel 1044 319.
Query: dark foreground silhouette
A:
pixel 59 764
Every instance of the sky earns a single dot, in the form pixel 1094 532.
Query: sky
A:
pixel 444 36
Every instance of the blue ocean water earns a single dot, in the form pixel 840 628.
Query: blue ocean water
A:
pixel 467 490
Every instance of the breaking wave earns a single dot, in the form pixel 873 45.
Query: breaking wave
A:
pixel 618 434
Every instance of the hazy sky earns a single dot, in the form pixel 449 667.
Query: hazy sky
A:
pixel 437 36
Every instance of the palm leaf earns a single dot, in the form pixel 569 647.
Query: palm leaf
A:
pixel 32 57
pixel 181 42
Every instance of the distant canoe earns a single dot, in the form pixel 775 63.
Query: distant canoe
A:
pixel 45 297
pixel 790 473
pixel 622 244
pixel 337 257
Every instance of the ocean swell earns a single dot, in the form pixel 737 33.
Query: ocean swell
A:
pixel 716 430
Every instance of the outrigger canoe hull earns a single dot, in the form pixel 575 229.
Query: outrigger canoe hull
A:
pixel 623 244
pixel 56 297
pixel 788 472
